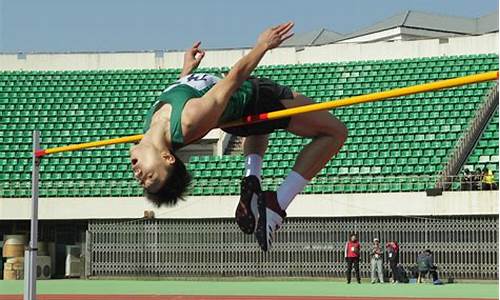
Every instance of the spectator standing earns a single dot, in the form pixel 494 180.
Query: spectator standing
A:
pixel 488 180
pixel 467 180
pixel 425 263
pixel 393 256
pixel 477 179
pixel 377 257
pixel 352 250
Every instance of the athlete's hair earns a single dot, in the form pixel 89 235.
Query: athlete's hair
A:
pixel 175 186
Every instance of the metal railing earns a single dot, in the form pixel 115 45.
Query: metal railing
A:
pixel 469 137
pixel 319 185
pixel 463 246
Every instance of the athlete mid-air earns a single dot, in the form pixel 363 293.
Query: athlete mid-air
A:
pixel 197 103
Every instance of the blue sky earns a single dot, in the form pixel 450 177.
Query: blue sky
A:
pixel 123 25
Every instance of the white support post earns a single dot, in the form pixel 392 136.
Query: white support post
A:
pixel 30 271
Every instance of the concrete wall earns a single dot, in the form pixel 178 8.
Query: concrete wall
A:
pixel 334 205
pixel 400 49
pixel 398 33
pixel 223 58
pixel 386 35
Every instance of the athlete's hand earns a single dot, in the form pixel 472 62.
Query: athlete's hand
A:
pixel 274 36
pixel 193 56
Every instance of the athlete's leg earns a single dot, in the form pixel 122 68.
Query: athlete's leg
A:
pixel 328 133
pixel 255 144
pixel 254 148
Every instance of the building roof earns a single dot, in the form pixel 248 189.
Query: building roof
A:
pixel 433 22
pixel 488 23
pixel 314 37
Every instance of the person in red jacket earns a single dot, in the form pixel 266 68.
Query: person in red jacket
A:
pixel 352 250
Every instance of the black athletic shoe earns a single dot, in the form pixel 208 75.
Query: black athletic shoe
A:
pixel 270 219
pixel 246 213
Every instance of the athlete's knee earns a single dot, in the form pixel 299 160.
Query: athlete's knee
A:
pixel 337 130
pixel 329 144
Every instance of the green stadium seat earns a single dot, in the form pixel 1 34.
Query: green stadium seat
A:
pixel 407 136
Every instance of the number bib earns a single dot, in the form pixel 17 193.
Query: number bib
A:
pixel 199 81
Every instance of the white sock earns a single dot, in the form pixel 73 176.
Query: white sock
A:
pixel 253 165
pixel 293 184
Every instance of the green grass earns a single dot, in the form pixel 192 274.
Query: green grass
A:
pixel 254 288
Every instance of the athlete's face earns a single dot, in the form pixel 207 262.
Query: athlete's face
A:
pixel 151 167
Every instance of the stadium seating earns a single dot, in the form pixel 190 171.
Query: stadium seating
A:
pixel 409 137
pixel 485 153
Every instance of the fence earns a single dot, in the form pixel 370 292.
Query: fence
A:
pixel 320 185
pixel 463 246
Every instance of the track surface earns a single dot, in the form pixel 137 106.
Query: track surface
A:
pixel 184 297
pixel 244 290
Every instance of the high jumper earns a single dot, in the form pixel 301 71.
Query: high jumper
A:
pixel 196 103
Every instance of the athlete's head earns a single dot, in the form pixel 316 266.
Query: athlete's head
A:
pixel 160 172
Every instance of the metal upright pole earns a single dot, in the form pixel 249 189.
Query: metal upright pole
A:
pixel 30 273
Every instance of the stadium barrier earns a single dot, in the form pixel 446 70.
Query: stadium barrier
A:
pixel 319 185
pixel 463 246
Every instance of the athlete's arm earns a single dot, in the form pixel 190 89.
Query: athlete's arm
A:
pixel 201 116
pixel 269 39
pixel 192 59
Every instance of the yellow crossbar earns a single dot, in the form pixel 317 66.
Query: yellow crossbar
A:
pixel 399 92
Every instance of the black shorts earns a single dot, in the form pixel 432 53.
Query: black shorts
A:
pixel 266 98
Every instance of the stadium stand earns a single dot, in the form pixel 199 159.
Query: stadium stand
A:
pixel 485 153
pixel 408 137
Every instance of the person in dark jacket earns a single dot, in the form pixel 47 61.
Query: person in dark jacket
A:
pixel 392 248
pixel 352 250
pixel 425 264
pixel 477 178
pixel 467 180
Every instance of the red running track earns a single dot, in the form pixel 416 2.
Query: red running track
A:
pixel 201 297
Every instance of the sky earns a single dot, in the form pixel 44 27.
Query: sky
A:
pixel 125 25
